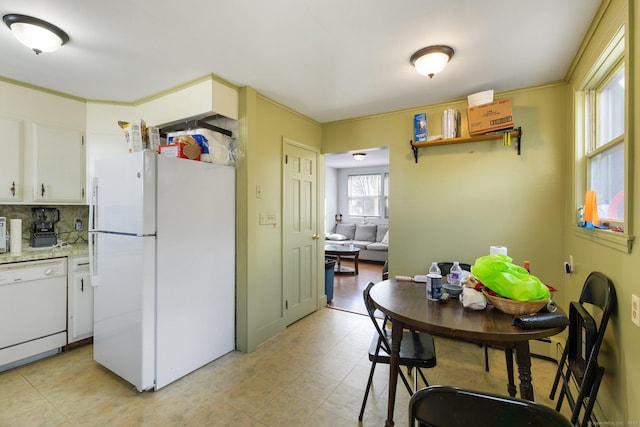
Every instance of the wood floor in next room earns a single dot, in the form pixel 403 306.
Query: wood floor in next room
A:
pixel 347 288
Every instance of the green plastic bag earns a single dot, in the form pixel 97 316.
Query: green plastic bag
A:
pixel 508 280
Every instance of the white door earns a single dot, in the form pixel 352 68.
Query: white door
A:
pixel 10 160
pixel 59 174
pixel 123 276
pixel 125 195
pixel 80 306
pixel 300 246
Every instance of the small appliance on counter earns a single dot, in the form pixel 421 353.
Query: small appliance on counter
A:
pixel 44 233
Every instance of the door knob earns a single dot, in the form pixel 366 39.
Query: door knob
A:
pixel 315 237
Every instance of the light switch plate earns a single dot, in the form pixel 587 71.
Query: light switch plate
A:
pixel 267 218
pixel 635 310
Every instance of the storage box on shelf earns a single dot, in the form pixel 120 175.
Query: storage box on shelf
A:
pixel 490 117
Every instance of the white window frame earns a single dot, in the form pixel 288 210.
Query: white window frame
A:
pixel 381 197
pixel 606 66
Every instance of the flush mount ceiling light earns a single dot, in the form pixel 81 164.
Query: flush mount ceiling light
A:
pixel 359 156
pixel 38 35
pixel 431 60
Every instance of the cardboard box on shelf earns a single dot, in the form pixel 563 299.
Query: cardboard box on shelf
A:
pixel 490 117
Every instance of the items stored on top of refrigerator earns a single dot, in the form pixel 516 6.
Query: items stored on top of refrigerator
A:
pixel 156 319
pixel 214 146
pixel 139 136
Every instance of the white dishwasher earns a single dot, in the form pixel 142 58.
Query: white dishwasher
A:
pixel 33 309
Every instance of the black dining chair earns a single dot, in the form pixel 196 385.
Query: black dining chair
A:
pixel 417 350
pixel 578 368
pixel 443 406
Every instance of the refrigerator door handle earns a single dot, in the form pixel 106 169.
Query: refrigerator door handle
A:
pixel 93 236
pixel 92 204
pixel 93 264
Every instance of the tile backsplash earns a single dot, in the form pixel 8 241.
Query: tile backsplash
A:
pixel 65 228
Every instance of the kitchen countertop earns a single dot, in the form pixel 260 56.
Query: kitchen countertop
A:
pixel 31 254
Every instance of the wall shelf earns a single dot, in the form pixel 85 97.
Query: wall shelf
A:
pixel 515 134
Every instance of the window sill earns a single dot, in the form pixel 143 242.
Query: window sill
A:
pixel 618 241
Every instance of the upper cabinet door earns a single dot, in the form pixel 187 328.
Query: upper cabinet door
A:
pixel 11 143
pixel 59 164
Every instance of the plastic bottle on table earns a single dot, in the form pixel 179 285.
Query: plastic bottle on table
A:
pixel 434 282
pixel 434 268
pixel 455 274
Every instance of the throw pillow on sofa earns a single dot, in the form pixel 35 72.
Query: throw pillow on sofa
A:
pixel 336 236
pixel 347 230
pixel 382 230
pixel 366 232
pixel 385 239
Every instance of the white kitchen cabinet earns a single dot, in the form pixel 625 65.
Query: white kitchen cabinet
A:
pixel 59 165
pixel 11 147
pixel 80 304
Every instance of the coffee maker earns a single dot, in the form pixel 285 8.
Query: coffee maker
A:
pixel 44 233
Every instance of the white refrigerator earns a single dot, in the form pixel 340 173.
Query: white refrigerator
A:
pixel 162 259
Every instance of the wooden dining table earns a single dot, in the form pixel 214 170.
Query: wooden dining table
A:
pixel 408 307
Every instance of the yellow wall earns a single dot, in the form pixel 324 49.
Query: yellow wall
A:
pixel 263 125
pixel 460 199
pixel 620 392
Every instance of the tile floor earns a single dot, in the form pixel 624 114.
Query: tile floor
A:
pixel 313 374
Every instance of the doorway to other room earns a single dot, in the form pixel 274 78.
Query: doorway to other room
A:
pixel 347 288
pixel 357 213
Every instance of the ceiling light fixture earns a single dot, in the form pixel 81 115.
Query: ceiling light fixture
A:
pixel 431 60
pixel 359 156
pixel 38 35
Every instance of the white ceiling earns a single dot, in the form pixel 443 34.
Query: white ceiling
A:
pixel 329 59
pixel 374 157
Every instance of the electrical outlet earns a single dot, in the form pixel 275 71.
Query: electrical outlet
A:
pixel 635 310
pixel 78 224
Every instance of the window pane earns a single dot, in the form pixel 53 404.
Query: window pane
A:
pixel 364 195
pixel 363 207
pixel 606 176
pixel 610 109
pixel 364 185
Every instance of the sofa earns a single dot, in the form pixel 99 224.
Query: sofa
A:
pixel 372 239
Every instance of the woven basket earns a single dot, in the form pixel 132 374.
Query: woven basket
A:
pixel 517 308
